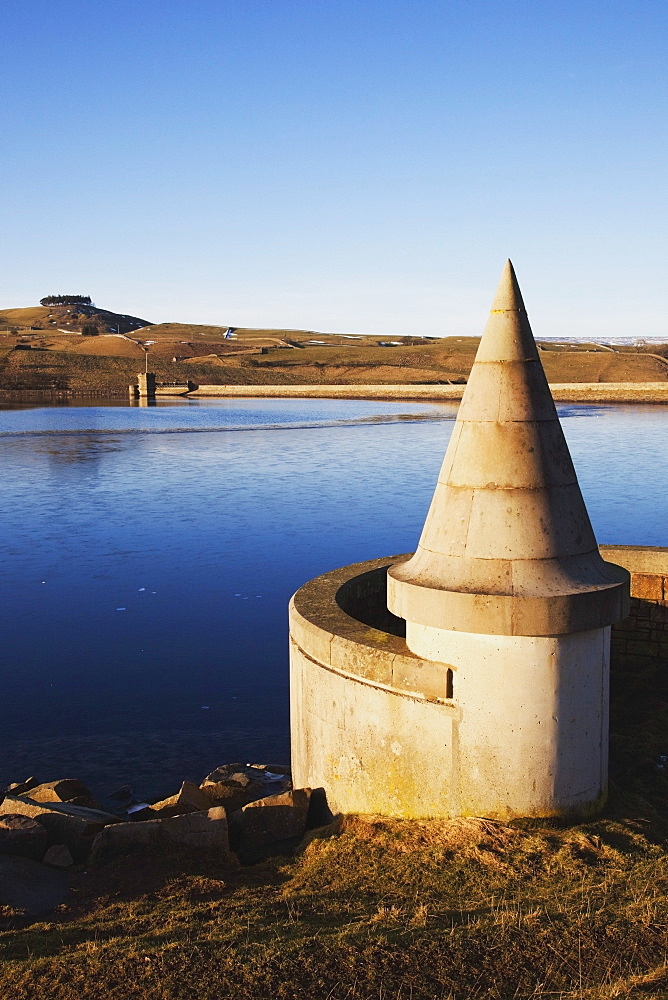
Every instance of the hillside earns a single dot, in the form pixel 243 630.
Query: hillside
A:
pixel 69 318
pixel 43 349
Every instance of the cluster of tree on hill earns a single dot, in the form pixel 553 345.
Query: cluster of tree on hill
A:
pixel 66 300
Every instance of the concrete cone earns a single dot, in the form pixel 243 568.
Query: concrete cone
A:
pixel 507 547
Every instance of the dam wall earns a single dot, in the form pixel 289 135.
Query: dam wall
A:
pixel 565 392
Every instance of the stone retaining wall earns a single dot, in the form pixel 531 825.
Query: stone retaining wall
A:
pixel 642 639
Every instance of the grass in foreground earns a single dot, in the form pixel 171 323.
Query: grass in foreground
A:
pixel 382 909
pixel 387 910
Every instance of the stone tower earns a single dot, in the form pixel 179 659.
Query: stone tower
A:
pixel 507 606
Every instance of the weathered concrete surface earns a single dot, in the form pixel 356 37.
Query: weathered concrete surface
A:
pixel 478 725
pixel 370 720
pixel 507 547
pixel 565 392
pixel 639 558
pixel 374 750
pixel 146 384
pixel 532 739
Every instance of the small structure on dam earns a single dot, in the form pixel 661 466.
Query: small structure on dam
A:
pixel 470 678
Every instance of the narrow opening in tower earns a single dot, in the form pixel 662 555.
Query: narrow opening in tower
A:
pixel 449 676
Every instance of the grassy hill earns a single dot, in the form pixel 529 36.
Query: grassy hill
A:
pixel 43 349
pixel 69 318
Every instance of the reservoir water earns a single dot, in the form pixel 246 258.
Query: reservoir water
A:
pixel 149 555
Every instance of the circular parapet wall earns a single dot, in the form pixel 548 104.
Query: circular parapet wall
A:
pixel 371 722
pixel 498 726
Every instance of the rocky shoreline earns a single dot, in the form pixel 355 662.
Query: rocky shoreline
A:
pixel 241 813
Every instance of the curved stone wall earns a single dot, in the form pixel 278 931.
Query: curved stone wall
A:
pixel 370 721
pixel 380 727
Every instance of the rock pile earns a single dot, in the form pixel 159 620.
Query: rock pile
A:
pixel 239 811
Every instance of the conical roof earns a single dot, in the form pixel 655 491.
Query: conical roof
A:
pixel 507 547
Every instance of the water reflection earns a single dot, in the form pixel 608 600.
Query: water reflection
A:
pixel 88 448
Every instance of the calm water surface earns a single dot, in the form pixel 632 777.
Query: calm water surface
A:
pixel 150 553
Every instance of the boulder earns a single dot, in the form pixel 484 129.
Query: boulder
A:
pixel 121 838
pixel 189 799
pixel 225 771
pixel 59 856
pixel 64 790
pixel 199 831
pixel 27 885
pixel 19 787
pixel 232 794
pixel 22 836
pixel 270 820
pixel 74 826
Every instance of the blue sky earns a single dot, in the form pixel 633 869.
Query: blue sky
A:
pixel 353 165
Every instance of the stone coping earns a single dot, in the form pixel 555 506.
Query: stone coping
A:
pixel 326 633
pixel 648 566
pixel 650 559
pixel 323 625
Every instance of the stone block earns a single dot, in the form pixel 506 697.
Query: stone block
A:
pixel 420 677
pixel 647 587
pixel 199 831
pixel 271 820
pixel 230 795
pixel 643 648
pixel 121 838
pixel 189 798
pixel 74 826
pixel 22 836
pixel 59 856
pixel 63 790
pixel 353 656
pixel 20 787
